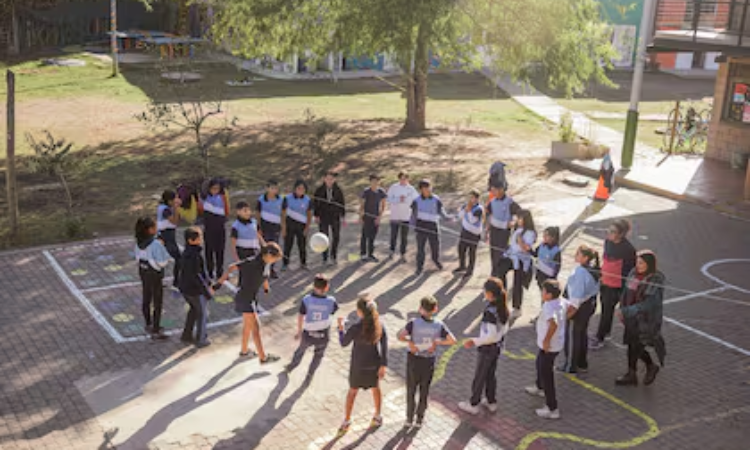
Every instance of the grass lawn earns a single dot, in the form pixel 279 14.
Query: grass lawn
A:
pixel 128 164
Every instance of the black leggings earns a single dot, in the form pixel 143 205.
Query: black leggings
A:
pixel 636 351
pixel 153 295
pixel 216 241
pixel 170 242
pixel 295 231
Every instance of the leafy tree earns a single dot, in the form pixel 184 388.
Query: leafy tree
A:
pixel 52 157
pixel 563 40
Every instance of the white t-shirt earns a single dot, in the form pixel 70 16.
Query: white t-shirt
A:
pixel 555 310
pixel 400 198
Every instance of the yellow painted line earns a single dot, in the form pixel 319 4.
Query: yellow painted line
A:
pixel 444 360
pixel 652 432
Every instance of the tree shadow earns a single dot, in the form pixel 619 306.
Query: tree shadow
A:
pixel 160 421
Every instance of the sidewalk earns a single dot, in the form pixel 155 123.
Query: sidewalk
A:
pixel 686 178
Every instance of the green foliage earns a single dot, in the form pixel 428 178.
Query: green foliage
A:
pixel 566 132
pixel 52 157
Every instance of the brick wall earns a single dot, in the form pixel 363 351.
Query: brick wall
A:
pixel 726 137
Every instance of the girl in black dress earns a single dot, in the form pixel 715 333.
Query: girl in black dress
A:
pixel 369 357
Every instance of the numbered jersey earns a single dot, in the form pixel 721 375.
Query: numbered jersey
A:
pixel 424 333
pixel 318 311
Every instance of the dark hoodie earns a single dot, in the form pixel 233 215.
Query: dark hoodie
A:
pixel 324 207
pixel 193 278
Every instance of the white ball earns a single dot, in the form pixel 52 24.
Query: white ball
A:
pixel 319 242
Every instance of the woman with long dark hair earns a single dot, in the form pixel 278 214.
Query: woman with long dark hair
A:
pixel 641 312
pixel 369 357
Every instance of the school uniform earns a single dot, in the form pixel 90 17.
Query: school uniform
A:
pixel 367 357
pixel 618 259
pixel 492 332
pixel 400 198
pixel 152 258
pixel 167 231
pixel 253 273
pixel 420 366
pixel 548 262
pixel 214 221
pixel 194 287
pixel 520 262
pixel 426 212
pixel 329 207
pixel 370 222
pixel 500 212
pixel 471 233
pixel 296 221
pixel 247 241
pixel 318 311
pixel 270 217
pixel 580 292
pixel 545 360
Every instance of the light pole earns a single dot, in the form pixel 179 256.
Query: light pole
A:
pixel 631 126
pixel 113 36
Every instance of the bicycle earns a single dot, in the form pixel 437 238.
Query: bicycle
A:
pixel 690 127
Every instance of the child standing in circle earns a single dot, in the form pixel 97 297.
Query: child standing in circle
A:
pixel 471 215
pixel 215 212
pixel 580 292
pixel 500 212
pixel 269 215
pixel 194 286
pixel 519 257
pixel 152 258
pixel 296 214
pixel 369 358
pixel 167 218
pixel 548 256
pixel 492 332
pixel 245 239
pixel 423 334
pixel 550 334
pixel 427 209
pixel 370 212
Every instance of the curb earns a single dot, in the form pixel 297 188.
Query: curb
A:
pixel 622 181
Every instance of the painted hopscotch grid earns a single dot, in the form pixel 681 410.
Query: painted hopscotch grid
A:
pixel 103 278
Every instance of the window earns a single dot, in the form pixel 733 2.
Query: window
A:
pixel 738 108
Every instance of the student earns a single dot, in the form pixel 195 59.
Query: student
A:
pixel 500 212
pixel 642 313
pixel 519 258
pixel 194 286
pixel 580 292
pixel 423 334
pixel 152 258
pixel 426 212
pixel 369 358
pixel 492 331
pixel 296 215
pixel 550 335
pixel 167 218
pixel 314 324
pixel 215 212
pixel 400 197
pixel 370 211
pixel 330 208
pixel 472 215
pixel 618 260
pixel 269 215
pixel 548 256
pixel 245 239
pixel 255 273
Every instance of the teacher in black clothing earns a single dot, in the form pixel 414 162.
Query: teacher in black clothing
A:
pixel 329 211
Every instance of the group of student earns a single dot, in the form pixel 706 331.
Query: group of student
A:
pixel 562 325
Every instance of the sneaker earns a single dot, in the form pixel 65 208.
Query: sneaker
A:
pixel 420 422
pixel 363 258
pixel 187 339
pixel 459 270
pixel 651 372
pixel 203 344
pixel 491 407
pixel 269 359
pixel 390 256
pixel 608 337
pixel 304 267
pixel 545 413
pixel 515 314
pixel 595 344
pixel 468 408
pixel 408 424
pixel 468 275
pixel 629 379
pixel 418 272
pixel 402 259
pixel 274 275
pixel 535 391
pixel 439 266
pixel 372 258
pixel 159 335
pixel 345 425
pixel 376 422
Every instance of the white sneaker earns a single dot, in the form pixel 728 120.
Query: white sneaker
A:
pixel 535 391
pixel 491 407
pixel 545 413
pixel 469 408
pixel 515 314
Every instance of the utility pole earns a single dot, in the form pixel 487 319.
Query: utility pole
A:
pixel 10 158
pixel 631 126
pixel 113 37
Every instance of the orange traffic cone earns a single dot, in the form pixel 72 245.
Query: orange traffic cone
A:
pixel 602 191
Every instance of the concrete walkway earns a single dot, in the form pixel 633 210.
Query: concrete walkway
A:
pixel 688 178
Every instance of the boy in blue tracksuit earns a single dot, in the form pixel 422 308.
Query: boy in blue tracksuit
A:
pixel 314 324
pixel 423 334
pixel 426 212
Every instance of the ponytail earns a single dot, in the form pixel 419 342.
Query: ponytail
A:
pixel 372 329
pixel 592 256
pixel 496 287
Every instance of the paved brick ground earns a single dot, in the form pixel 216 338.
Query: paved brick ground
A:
pixel 68 383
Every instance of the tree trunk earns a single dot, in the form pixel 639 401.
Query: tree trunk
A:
pixel 416 89
pixel 203 150
pixel 66 188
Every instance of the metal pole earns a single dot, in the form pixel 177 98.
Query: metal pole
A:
pixel 631 126
pixel 113 36
pixel 10 161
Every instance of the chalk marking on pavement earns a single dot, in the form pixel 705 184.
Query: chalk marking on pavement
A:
pixel 707 336
pixel 695 295
pixel 706 267
pixel 82 298
pixel 652 432
pixel 706 419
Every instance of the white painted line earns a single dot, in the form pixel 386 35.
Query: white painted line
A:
pixel 175 331
pixel 707 336
pixel 696 295
pixel 82 298
pixel 717 280
pixel 117 286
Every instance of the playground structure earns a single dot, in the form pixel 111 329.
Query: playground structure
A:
pixel 687 127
